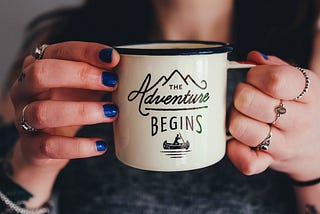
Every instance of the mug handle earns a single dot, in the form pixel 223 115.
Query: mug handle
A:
pixel 229 137
pixel 240 64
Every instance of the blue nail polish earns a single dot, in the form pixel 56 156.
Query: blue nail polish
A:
pixel 110 110
pixel 106 55
pixel 264 56
pixel 109 79
pixel 101 146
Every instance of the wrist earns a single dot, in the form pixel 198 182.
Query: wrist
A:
pixel 308 198
pixel 308 177
pixel 23 164
pixel 14 198
pixel 35 177
pixel 304 183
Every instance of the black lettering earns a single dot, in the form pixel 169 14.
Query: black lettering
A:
pixel 189 123
pixel 154 126
pixel 176 98
pixel 151 98
pixel 163 123
pixel 148 94
pixel 142 91
pixel 167 99
pixel 173 123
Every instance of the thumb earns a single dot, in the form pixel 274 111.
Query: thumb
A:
pixel 262 59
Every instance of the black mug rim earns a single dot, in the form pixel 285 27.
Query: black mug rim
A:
pixel 222 48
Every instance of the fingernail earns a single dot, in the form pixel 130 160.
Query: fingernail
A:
pixel 101 146
pixel 106 55
pixel 264 56
pixel 110 110
pixel 109 79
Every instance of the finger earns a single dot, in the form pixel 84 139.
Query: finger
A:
pixel 47 74
pixel 251 133
pixel 248 161
pixel 93 53
pixel 247 130
pixel 28 61
pixel 51 114
pixel 262 59
pixel 282 82
pixel 44 146
pixel 70 94
pixel 62 94
pixel 255 104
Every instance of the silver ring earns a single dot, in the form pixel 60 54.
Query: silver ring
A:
pixel 24 125
pixel 307 83
pixel 264 145
pixel 279 110
pixel 39 51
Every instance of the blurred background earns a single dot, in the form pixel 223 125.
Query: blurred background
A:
pixel 14 17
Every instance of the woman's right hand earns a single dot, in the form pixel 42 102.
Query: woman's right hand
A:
pixel 62 91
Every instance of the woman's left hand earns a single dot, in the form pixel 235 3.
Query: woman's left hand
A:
pixel 295 141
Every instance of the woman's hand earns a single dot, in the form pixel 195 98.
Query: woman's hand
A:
pixel 295 141
pixel 62 91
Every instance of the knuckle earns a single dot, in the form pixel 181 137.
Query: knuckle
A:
pixel 248 170
pixel 27 61
pixel 88 76
pixel 243 98
pixel 83 74
pixel 237 127
pixel 243 163
pixel 61 53
pixel 86 52
pixel 248 167
pixel 40 115
pixel 77 148
pixel 38 74
pixel 85 148
pixel 275 81
pixel 83 111
pixel 49 148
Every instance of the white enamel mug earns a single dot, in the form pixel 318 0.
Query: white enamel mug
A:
pixel 172 104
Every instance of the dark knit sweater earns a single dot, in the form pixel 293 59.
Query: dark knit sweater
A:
pixel 104 185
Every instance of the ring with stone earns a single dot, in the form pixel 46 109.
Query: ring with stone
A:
pixel 279 110
pixel 264 145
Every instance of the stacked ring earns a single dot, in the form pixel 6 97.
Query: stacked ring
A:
pixel 39 52
pixel 307 83
pixel 23 123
